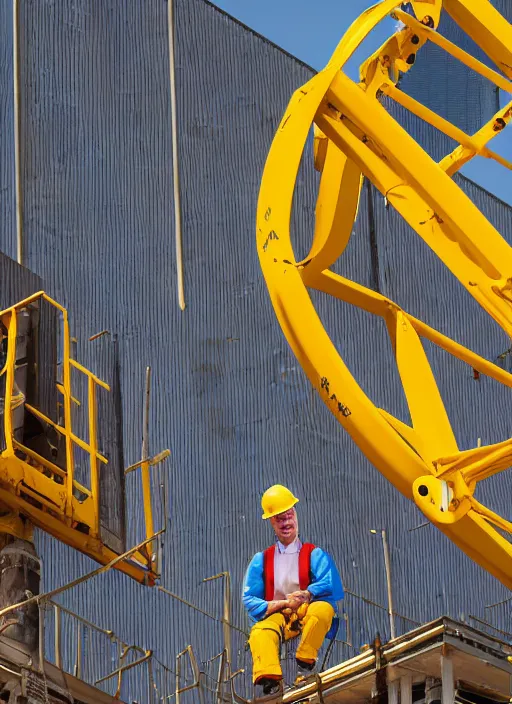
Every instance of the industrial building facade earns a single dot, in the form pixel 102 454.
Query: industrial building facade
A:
pixel 96 214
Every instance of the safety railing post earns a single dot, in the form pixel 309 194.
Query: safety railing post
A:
pixel 230 680
pixel 122 651
pixel 93 456
pixel 41 606
pixel 227 616
pixel 220 678
pixel 196 684
pixel 226 610
pixel 147 654
pixel 387 566
pixel 78 659
pixel 152 688
pixel 197 674
pixel 57 621
pixel 68 424
pixel 348 635
pixel 9 381
pixel 178 676
pixel 146 479
pixel 447 678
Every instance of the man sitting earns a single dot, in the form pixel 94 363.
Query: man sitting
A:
pixel 288 588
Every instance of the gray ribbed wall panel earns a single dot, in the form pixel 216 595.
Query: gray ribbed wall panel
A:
pixel 16 282
pixel 229 397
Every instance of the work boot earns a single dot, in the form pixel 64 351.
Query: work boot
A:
pixel 269 686
pixel 304 670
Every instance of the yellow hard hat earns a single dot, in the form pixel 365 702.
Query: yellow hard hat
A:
pixel 277 499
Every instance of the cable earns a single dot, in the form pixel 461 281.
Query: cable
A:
pixel 205 613
pixel 379 606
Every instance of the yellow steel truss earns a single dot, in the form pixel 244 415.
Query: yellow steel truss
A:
pixel 49 495
pixel 355 137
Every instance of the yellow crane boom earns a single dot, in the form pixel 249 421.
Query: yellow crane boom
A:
pixel 356 137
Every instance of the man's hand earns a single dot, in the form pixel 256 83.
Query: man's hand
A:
pixel 277 605
pixel 296 599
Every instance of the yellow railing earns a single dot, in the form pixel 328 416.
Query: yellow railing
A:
pixel 43 491
pixel 90 511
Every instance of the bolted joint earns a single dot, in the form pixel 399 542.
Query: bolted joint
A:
pixel 442 501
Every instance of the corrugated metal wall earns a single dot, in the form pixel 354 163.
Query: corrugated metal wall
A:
pixel 228 398
pixel 16 282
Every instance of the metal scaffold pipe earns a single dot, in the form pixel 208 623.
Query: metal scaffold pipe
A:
pixel 175 158
pixel 17 141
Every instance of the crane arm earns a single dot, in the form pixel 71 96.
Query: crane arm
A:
pixel 356 138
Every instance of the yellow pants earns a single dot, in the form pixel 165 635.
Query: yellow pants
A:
pixel 267 635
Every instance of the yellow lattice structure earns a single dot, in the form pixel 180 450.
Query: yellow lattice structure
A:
pixel 355 137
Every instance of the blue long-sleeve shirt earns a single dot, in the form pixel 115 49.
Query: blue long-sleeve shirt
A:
pixel 325 584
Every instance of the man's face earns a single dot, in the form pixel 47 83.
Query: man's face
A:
pixel 286 526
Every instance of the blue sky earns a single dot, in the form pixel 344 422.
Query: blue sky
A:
pixel 312 34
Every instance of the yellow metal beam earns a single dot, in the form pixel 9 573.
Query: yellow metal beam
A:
pixel 488 29
pixel 469 146
pixel 454 50
pixel 62 430
pixel 356 135
pixel 373 302
pixel 336 211
pixel 428 414
pixel 9 381
pixel 80 541
pixel 460 156
pixel 428 199
pixel 93 455
pixel 88 373
pixel 68 430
